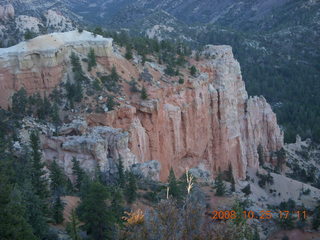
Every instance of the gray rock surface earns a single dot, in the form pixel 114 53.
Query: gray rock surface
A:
pixel 149 170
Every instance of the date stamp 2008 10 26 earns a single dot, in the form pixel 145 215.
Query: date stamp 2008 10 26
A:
pixel 225 215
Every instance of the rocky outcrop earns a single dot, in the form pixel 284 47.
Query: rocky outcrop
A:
pixel 209 121
pixel 40 64
pixel 149 170
pixel 97 145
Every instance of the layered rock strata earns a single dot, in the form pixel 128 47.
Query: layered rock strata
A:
pixel 209 121
pixel 40 64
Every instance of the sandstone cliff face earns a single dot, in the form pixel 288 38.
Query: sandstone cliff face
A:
pixel 40 64
pixel 209 121
pixel 206 123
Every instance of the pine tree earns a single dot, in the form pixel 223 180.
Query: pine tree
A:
pixel 58 179
pixel 36 210
pixel 193 70
pixel 121 177
pixel 29 34
pixel 13 221
pixel 173 186
pixel 13 224
pixel 38 179
pixel 55 115
pixel 57 211
pixel 128 52
pixel 117 205
pixel 144 94
pixel 114 75
pixel 95 213
pixel 260 155
pixel 78 173
pixel 19 102
pixel 91 59
pixel 73 226
pixel 110 103
pixel 219 185
pixel 131 188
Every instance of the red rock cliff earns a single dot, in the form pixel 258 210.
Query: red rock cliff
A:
pixel 208 121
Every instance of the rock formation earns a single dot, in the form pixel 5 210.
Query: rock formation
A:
pixel 207 123
pixel 40 64
pixel 90 146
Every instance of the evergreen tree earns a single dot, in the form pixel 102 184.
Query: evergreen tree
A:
pixel 44 109
pixel 219 185
pixel 173 186
pixel 247 190
pixel 170 70
pixel 55 116
pixel 281 158
pixel 233 185
pixel 13 221
pixel 78 173
pixel 128 52
pixel 121 177
pixel 114 75
pixel 73 226
pixel 29 34
pixel 117 205
pixel 110 103
pixel 91 59
pixel 36 210
pixel 144 94
pixel 38 179
pixel 260 155
pixel 19 102
pixel 58 179
pixel 95 213
pixel 75 61
pixel 193 70
pixel 131 188
pixel 57 211
pixel 98 175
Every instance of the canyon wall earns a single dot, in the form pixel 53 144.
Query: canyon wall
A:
pixel 208 122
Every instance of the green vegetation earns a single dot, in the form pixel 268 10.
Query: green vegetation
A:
pixel 91 59
pixel 264 179
pixel 193 70
pixel 128 54
pixel 144 94
pixel 131 188
pixel 219 185
pixel 29 34
pixel 261 155
pixel 246 190
pixel 111 82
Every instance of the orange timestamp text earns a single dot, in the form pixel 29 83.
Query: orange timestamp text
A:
pixel 263 214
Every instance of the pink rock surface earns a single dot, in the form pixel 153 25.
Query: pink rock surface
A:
pixel 210 121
